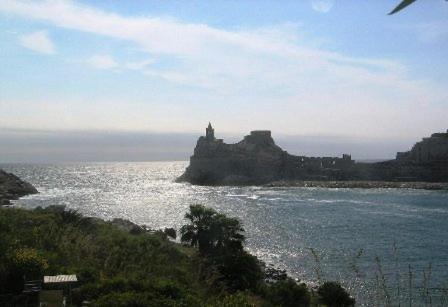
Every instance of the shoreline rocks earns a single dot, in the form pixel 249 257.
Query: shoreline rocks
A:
pixel 360 184
pixel 12 188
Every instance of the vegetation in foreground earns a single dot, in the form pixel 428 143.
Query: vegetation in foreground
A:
pixel 121 264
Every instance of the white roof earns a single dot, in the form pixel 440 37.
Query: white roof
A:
pixel 60 278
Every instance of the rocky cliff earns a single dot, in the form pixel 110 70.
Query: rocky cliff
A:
pixel 258 160
pixel 12 187
pixel 431 149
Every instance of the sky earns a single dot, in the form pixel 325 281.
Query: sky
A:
pixel 326 76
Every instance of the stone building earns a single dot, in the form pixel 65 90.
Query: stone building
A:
pixel 210 132
pixel 432 149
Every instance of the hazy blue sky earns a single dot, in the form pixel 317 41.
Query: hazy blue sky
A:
pixel 324 68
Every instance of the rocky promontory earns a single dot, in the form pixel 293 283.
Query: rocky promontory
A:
pixel 257 160
pixel 12 187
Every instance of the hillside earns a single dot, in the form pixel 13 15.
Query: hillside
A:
pixel 121 264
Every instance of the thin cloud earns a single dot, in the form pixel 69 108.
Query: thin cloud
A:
pixel 322 6
pixel 38 42
pixel 102 62
pixel 139 65
pixel 292 83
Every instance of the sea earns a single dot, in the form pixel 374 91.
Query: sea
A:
pixel 387 246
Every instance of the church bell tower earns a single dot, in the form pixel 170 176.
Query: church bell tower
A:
pixel 210 132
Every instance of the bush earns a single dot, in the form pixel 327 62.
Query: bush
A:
pixel 170 232
pixel 240 271
pixel 287 293
pixel 333 295
pixel 121 300
pixel 21 263
pixel 107 259
pixel 220 239
pixel 233 300
pixel 212 232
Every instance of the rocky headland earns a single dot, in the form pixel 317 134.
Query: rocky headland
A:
pixel 257 160
pixel 12 187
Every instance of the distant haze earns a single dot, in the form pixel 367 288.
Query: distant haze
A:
pixel 84 146
pixel 358 80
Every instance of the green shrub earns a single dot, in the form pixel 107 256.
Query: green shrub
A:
pixel 233 300
pixel 288 293
pixel 211 232
pixel 240 271
pixel 170 232
pixel 127 299
pixel 23 264
pixel 333 295
pixel 118 268
pixel 220 240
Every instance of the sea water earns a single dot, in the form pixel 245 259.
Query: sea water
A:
pixel 374 241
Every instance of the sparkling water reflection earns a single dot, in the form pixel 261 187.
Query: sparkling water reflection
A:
pixel 282 224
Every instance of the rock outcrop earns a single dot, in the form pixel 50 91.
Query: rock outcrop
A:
pixel 433 149
pixel 258 160
pixel 12 187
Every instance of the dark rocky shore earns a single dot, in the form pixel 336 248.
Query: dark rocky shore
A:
pixel 12 187
pixel 360 184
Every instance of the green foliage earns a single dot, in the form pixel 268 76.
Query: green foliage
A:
pixel 108 261
pixel 22 263
pixel 136 292
pixel 220 240
pixel 233 300
pixel 333 295
pixel 170 232
pixel 119 266
pixel 239 270
pixel 287 293
pixel 28 262
pixel 211 232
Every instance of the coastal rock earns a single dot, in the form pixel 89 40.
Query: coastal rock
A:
pixel 126 225
pixel 257 160
pixel 12 187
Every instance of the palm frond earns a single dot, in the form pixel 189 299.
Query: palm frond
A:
pixel 401 6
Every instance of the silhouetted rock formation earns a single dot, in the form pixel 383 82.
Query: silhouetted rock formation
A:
pixel 432 149
pixel 258 160
pixel 12 187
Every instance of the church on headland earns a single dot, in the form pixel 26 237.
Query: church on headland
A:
pixel 258 160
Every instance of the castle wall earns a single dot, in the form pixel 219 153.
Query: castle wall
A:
pixel 257 160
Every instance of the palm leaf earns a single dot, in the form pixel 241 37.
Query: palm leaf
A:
pixel 401 6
